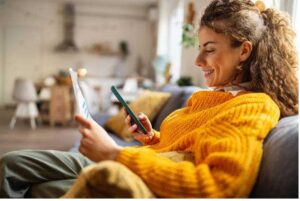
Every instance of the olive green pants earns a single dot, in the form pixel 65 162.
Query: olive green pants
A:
pixel 52 174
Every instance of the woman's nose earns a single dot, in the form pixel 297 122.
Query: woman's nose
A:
pixel 200 61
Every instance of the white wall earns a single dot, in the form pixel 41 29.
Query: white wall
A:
pixel 1 66
pixel 91 27
pixel 1 53
pixel 188 67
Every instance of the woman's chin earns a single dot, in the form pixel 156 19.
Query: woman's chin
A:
pixel 209 84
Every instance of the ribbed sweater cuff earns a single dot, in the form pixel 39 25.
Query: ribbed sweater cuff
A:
pixel 128 155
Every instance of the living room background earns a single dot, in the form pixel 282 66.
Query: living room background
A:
pixel 31 29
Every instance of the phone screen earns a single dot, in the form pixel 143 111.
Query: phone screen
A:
pixel 129 111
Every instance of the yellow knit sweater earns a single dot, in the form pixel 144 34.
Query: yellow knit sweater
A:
pixel 225 136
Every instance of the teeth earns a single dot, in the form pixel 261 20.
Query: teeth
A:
pixel 208 72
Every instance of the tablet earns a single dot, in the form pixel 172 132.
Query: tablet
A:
pixel 81 104
pixel 129 111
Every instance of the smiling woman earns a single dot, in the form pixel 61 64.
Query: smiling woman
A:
pixel 257 48
pixel 219 61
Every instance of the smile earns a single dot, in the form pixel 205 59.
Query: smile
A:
pixel 207 72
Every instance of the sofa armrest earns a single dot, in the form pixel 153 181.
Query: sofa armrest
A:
pixel 101 118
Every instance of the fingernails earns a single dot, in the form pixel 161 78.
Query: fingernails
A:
pixel 133 127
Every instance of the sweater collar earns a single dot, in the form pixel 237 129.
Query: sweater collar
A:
pixel 234 89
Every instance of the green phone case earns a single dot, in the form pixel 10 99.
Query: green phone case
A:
pixel 129 111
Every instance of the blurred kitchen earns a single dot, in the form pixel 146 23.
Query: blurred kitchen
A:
pixel 108 42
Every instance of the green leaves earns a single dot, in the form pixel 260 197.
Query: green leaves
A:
pixel 189 38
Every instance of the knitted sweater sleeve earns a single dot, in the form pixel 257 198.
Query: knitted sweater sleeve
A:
pixel 155 138
pixel 227 151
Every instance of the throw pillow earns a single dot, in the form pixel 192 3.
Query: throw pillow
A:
pixel 174 103
pixel 149 102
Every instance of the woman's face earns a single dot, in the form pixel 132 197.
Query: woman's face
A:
pixel 217 59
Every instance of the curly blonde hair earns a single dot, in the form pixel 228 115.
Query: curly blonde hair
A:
pixel 272 65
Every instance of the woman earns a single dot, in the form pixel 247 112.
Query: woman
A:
pixel 212 147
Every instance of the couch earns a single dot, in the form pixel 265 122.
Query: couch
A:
pixel 278 174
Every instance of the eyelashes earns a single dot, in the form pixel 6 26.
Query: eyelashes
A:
pixel 206 51
pixel 209 51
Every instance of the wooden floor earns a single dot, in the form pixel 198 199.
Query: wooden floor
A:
pixel 44 137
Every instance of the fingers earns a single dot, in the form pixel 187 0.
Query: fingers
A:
pixel 143 137
pixel 132 128
pixel 145 121
pixel 142 116
pixel 139 135
pixel 127 119
pixel 85 132
pixel 125 111
pixel 83 121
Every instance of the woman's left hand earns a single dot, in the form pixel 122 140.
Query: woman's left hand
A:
pixel 96 144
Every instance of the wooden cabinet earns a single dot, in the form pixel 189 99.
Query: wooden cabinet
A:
pixel 60 105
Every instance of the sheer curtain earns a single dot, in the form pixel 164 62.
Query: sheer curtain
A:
pixel 296 22
pixel 283 5
pixel 296 17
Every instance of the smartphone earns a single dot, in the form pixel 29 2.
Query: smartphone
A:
pixel 129 111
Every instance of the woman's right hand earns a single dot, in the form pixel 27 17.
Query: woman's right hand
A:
pixel 136 132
